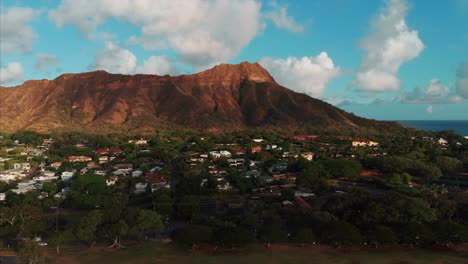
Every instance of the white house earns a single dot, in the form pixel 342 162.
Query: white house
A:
pixel 66 175
pixel 442 141
pixel 2 196
pixel 22 166
pixel 364 143
pixel 235 162
pixel 308 155
pixel 220 154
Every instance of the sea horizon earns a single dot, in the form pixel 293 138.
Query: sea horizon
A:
pixel 459 126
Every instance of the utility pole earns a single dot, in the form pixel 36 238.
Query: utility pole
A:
pixel 56 217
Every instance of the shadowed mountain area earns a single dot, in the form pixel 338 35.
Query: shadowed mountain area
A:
pixel 224 98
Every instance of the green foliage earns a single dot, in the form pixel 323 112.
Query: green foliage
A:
pixel 87 227
pixel 341 233
pixel 31 252
pixel 448 164
pixel 193 234
pixel 304 235
pixel 287 194
pixel 147 221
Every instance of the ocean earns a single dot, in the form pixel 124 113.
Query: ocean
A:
pixel 459 126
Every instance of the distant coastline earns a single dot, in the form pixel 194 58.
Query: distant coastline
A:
pixel 459 126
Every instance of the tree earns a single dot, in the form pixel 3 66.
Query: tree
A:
pixel 287 194
pixel 381 235
pixel 341 233
pixel 395 179
pixel 447 232
pixel 304 235
pixel 87 227
pixel 58 239
pixel 148 221
pixel 188 206
pixel 50 188
pixel 233 236
pixel 31 252
pixel 192 235
pixel 416 233
pixel 163 201
pixel 448 164
pixel 314 176
pixel 273 233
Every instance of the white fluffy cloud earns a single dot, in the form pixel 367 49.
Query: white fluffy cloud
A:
pixel 390 44
pixel 308 75
pixel 115 59
pixel 435 92
pixel 462 80
pixel 45 60
pixel 13 72
pixel 159 65
pixel 201 32
pixel 281 19
pixel 15 33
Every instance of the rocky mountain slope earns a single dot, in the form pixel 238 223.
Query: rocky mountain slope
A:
pixel 224 98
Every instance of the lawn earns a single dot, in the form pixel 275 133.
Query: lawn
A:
pixel 155 252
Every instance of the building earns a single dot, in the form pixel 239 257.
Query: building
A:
pixel 256 149
pixel 22 166
pixel 236 162
pixel 364 143
pixel 220 154
pixel 79 159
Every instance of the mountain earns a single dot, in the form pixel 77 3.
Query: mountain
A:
pixel 224 98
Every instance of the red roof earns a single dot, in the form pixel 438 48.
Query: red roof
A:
pixel 158 181
pixel 107 151
pixel 152 175
pixel 305 137
pixel 302 203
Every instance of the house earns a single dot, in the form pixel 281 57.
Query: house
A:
pixel 255 163
pixel 279 167
pixel 66 175
pixel 251 174
pixel 2 196
pixel 22 166
pixel 305 137
pixel 140 187
pixel 111 181
pixel 236 162
pixel 104 159
pixel 155 169
pixel 442 141
pixel 220 154
pixel 364 143
pixel 92 165
pixel 256 149
pixel 273 147
pixel 47 141
pixel 302 203
pixel 79 159
pixel 224 185
pixel 99 171
pixel 64 193
pixel 56 164
pixel 123 166
pixel 108 151
pixel 137 173
pixel 308 155
pixel 139 141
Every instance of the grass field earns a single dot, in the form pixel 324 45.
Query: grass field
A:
pixel 155 252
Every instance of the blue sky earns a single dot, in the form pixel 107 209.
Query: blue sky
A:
pixel 391 60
